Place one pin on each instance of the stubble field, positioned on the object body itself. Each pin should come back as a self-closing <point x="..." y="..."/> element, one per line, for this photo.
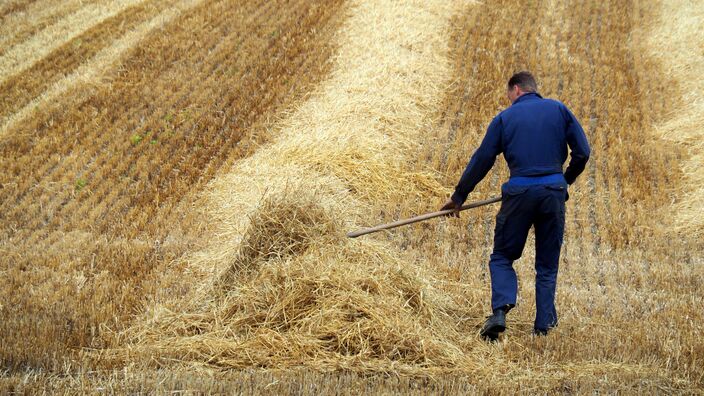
<point x="177" y="177"/>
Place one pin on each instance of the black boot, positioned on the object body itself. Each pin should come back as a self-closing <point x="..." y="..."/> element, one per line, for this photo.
<point x="543" y="332"/>
<point x="495" y="324"/>
<point x="540" y="332"/>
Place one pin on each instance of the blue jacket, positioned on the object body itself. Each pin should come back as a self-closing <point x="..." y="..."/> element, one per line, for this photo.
<point x="533" y="134"/>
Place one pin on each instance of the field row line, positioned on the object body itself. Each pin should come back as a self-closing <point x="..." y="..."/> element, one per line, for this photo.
<point x="29" y="84"/>
<point x="99" y="65"/>
<point x="108" y="149"/>
<point x="25" y="54"/>
<point x="28" y="19"/>
<point x="99" y="184"/>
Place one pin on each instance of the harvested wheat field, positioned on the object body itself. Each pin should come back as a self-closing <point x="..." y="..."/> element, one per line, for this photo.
<point x="178" y="176"/>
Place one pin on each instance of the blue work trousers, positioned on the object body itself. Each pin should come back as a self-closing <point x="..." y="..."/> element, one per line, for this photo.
<point x="523" y="206"/>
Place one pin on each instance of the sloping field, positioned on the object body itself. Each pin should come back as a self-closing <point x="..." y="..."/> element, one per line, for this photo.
<point x="96" y="182"/>
<point x="177" y="177"/>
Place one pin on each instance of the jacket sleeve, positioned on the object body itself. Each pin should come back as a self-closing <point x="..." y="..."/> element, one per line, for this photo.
<point x="578" y="144"/>
<point x="481" y="162"/>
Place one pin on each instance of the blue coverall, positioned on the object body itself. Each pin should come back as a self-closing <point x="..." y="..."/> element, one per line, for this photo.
<point x="533" y="134"/>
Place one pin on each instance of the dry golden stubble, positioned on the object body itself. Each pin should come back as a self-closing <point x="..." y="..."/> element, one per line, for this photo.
<point x="675" y="43"/>
<point x="21" y="88"/>
<point x="618" y="332"/>
<point x="21" y="23"/>
<point x="138" y="264"/>
<point x="617" y="239"/>
<point x="25" y="54"/>
<point x="348" y="144"/>
<point x="297" y="291"/>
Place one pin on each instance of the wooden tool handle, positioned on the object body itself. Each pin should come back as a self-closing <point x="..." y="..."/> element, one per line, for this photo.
<point x="416" y="219"/>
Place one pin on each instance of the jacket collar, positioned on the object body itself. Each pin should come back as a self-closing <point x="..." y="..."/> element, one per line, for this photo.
<point x="527" y="96"/>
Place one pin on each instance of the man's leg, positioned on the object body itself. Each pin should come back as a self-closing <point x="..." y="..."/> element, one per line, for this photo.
<point x="504" y="283"/>
<point x="549" y="231"/>
<point x="512" y="225"/>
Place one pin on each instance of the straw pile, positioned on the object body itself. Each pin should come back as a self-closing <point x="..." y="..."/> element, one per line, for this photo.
<point x="280" y="285"/>
<point x="299" y="293"/>
<point x="677" y="43"/>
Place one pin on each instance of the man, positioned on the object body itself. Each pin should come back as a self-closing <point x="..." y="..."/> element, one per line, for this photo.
<point x="533" y="134"/>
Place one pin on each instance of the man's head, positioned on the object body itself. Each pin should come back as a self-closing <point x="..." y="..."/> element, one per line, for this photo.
<point x="519" y="84"/>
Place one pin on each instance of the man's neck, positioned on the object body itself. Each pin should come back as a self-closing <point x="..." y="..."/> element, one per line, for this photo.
<point x="522" y="95"/>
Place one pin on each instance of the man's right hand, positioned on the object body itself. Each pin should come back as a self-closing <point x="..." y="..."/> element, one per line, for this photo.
<point x="450" y="204"/>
